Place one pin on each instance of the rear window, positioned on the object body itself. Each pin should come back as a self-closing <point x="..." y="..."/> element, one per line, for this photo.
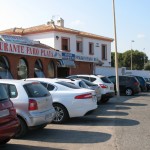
<point x="69" y="85"/>
<point x="3" y="93"/>
<point x="36" y="90"/>
<point x="89" y="83"/>
<point x="83" y="84"/>
<point x="105" y="80"/>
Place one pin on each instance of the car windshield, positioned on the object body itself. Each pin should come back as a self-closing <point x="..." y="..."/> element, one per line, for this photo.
<point x="36" y="90"/>
<point x="69" y="85"/>
<point x="3" y="93"/>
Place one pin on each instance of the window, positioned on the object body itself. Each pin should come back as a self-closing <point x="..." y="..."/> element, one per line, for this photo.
<point x="68" y="85"/>
<point x="79" y="46"/>
<point x="22" y="69"/>
<point x="3" y="93"/>
<point x="36" y="90"/>
<point x="104" y="52"/>
<point x="38" y="69"/>
<point x="4" y="68"/>
<point x="65" y="44"/>
<point x="91" y="48"/>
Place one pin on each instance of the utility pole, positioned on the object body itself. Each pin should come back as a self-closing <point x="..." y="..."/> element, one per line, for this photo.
<point x="116" y="55"/>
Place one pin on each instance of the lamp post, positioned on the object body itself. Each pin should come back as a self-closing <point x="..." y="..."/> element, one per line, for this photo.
<point x="116" y="57"/>
<point x="131" y="53"/>
<point x="144" y="57"/>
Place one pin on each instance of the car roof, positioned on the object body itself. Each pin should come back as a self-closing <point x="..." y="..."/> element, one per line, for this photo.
<point x="15" y="81"/>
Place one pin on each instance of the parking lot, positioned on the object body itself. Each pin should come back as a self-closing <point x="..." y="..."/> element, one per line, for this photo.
<point x="120" y="124"/>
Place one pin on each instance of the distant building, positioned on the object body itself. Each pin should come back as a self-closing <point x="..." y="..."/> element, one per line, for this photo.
<point x="81" y="51"/>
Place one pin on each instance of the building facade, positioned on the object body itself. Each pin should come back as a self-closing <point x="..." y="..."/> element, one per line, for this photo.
<point x="81" y="51"/>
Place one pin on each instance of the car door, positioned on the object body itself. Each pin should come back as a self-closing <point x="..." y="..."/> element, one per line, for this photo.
<point x="122" y="83"/>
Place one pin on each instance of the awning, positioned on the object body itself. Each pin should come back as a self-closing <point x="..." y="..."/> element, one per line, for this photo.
<point x="66" y="63"/>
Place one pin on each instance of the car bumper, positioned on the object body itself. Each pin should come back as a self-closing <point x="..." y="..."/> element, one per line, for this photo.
<point x="41" y="118"/>
<point x="8" y="130"/>
<point x="82" y="108"/>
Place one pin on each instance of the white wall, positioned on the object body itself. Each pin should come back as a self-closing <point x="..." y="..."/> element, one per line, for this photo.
<point x="49" y="38"/>
<point x="45" y="38"/>
<point x="108" y="71"/>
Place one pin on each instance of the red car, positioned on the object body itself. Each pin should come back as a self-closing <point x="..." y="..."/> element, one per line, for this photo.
<point x="9" y="123"/>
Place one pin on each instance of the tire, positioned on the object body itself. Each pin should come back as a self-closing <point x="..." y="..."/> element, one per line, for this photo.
<point x="104" y="100"/>
<point x="128" y="92"/>
<point x="61" y="114"/>
<point x="22" y="130"/>
<point x="4" y="141"/>
<point x="42" y="126"/>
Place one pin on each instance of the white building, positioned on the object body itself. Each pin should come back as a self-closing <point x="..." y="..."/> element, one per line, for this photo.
<point x="89" y="49"/>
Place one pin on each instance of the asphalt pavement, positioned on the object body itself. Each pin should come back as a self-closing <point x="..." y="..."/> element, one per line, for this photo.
<point x="120" y="124"/>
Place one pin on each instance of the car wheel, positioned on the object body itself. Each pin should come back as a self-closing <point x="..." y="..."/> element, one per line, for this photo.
<point x="4" y="141"/>
<point x="61" y="114"/>
<point x="128" y="92"/>
<point x="42" y="126"/>
<point x="104" y="100"/>
<point x="22" y="129"/>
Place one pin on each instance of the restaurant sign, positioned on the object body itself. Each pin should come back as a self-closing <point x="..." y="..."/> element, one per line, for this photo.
<point x="29" y="50"/>
<point x="68" y="56"/>
<point x="86" y="58"/>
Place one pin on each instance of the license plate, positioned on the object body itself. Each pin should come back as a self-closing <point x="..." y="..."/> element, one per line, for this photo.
<point x="4" y="113"/>
<point x="111" y="88"/>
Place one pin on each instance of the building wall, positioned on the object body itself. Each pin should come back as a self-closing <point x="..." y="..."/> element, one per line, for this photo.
<point x="13" y="61"/>
<point x="51" y="40"/>
<point x="109" y="71"/>
<point x="82" y="68"/>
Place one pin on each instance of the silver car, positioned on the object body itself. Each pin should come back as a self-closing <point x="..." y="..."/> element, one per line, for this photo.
<point x="33" y="104"/>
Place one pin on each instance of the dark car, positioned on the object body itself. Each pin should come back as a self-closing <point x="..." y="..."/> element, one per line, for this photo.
<point x="147" y="83"/>
<point x="9" y="123"/>
<point x="142" y="82"/>
<point x="128" y="85"/>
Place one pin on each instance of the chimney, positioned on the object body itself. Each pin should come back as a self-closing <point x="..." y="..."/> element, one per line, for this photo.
<point x="51" y="22"/>
<point x="60" y="22"/>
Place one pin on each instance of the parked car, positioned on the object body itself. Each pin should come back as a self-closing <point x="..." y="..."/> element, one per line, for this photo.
<point x="9" y="123"/>
<point x="33" y="104"/>
<point x="107" y="87"/>
<point x="147" y="83"/>
<point x="69" y="100"/>
<point x="85" y="84"/>
<point x="128" y="85"/>
<point x="142" y="82"/>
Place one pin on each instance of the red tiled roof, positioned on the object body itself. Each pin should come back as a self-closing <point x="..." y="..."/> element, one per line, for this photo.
<point x="52" y="27"/>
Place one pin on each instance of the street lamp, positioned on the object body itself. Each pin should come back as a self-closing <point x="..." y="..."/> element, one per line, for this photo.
<point x="144" y="57"/>
<point x="131" y="53"/>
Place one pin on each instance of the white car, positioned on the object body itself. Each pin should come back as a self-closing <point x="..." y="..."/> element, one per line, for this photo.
<point x="69" y="100"/>
<point x="85" y="84"/>
<point x="107" y="87"/>
<point x="33" y="104"/>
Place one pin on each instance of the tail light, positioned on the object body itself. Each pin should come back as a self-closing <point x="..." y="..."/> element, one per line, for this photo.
<point x="32" y="105"/>
<point x="84" y="96"/>
<point x="103" y="86"/>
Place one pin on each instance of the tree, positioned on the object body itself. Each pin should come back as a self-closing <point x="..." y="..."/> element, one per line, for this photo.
<point x="147" y="66"/>
<point x="124" y="59"/>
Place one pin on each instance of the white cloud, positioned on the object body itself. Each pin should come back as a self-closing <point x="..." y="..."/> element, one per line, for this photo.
<point x="140" y="36"/>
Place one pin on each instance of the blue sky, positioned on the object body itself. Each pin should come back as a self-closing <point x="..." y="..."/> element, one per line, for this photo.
<point x="94" y="16"/>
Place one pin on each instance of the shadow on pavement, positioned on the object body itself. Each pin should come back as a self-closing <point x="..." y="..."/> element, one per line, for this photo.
<point x="67" y="136"/>
<point x="102" y="121"/>
<point x="25" y="147"/>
